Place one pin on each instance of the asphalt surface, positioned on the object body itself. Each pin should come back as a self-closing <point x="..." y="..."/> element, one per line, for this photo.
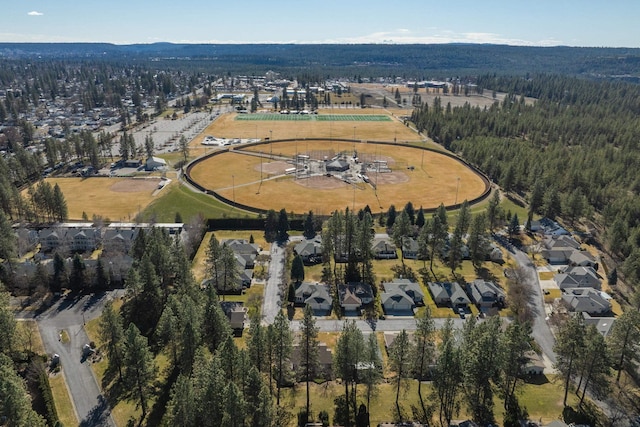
<point x="272" y="296"/>
<point x="70" y="314"/>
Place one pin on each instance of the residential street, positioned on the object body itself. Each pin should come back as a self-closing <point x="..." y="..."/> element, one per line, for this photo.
<point x="271" y="302"/>
<point x="69" y="315"/>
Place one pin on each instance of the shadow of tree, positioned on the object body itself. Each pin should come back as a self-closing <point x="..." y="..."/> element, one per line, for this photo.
<point x="99" y="414"/>
<point x="536" y="379"/>
<point x="163" y="391"/>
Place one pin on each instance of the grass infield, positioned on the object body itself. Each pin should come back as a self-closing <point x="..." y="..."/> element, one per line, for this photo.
<point x="257" y="177"/>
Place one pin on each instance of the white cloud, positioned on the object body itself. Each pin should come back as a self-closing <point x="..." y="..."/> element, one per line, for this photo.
<point x="35" y="13"/>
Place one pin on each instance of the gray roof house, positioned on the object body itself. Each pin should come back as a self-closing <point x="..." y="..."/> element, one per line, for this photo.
<point x="383" y="248"/>
<point x="84" y="239"/>
<point x="316" y="295"/>
<point x="602" y="324"/>
<point x="409" y="248"/>
<point x="585" y="300"/>
<point x="52" y="238"/>
<point x="236" y="313"/>
<point x="412" y="289"/>
<point x="485" y="294"/>
<point x="397" y="302"/>
<point x="119" y="240"/>
<point x="310" y="251"/>
<point x="577" y="277"/>
<point x="449" y="294"/>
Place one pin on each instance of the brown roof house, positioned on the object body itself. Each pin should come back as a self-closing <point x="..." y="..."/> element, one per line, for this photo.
<point x="354" y="296"/>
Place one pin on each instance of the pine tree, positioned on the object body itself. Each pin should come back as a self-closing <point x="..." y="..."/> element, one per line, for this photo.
<point x="139" y="366"/>
<point x="297" y="269"/>
<point x="399" y="358"/>
<point x="111" y="334"/>
<point x="309" y="226"/>
<point x="308" y="345"/>
<point x="282" y="345"/>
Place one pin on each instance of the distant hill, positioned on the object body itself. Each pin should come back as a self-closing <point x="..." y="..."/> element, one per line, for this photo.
<point x="365" y="60"/>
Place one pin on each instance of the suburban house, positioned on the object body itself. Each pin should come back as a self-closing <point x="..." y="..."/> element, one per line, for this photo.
<point x="241" y="246"/>
<point x="325" y="361"/>
<point x="585" y="300"/>
<point x="602" y="324"/>
<point x="577" y="277"/>
<point x="353" y="296"/>
<point x="310" y="251"/>
<point x="316" y="295"/>
<point x="448" y="294"/>
<point x="547" y="227"/>
<point x="412" y="289"/>
<point x="383" y="248"/>
<point x="494" y="254"/>
<point x="409" y="248"/>
<point x="582" y="259"/>
<point x="236" y="313"/>
<point x="397" y="302"/>
<point x="485" y="294"/>
<point x="558" y="249"/>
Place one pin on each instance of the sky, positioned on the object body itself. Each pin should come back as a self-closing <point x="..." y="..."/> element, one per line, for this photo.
<point x="595" y="23"/>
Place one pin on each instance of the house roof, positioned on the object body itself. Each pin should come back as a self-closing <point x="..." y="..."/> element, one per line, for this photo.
<point x="602" y="324"/>
<point x="576" y="277"/>
<point x="581" y="257"/>
<point x="585" y="300"/>
<point x="383" y="244"/>
<point x="409" y="244"/>
<point x="309" y="247"/>
<point x="561" y="242"/>
<point x="354" y="293"/>
<point x="449" y="290"/>
<point x="406" y="286"/>
<point x="484" y="291"/>
<point x="314" y="294"/>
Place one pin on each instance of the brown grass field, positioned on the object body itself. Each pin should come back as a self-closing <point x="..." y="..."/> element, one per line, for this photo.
<point x="119" y="199"/>
<point x="433" y="180"/>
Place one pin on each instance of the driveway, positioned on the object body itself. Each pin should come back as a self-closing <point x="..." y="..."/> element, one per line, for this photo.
<point x="70" y="314"/>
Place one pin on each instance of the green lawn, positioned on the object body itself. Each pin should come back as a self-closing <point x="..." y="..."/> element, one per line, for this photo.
<point x="542" y="401"/>
<point x="189" y="204"/>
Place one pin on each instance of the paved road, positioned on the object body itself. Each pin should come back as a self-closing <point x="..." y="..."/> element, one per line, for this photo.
<point x="69" y="314"/>
<point x="271" y="301"/>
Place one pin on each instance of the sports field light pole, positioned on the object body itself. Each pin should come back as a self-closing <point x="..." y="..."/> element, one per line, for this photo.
<point x="271" y="143"/>
<point x="457" y="188"/>
<point x="233" y="187"/>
